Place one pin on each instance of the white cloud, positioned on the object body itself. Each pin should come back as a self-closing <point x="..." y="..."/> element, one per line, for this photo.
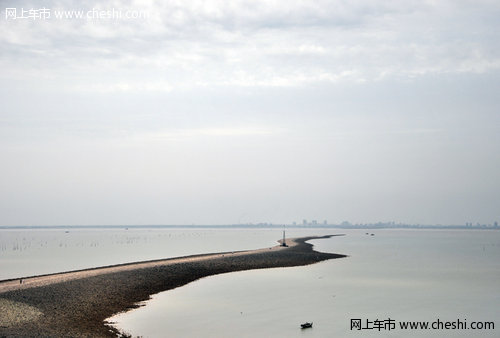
<point x="241" y="43"/>
<point x="195" y="133"/>
<point x="126" y="87"/>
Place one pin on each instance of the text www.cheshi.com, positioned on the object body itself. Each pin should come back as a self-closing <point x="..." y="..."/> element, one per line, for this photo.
<point x="392" y="324"/>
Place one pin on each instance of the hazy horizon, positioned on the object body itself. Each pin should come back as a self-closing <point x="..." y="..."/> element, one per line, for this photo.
<point x="268" y="225"/>
<point x="250" y="111"/>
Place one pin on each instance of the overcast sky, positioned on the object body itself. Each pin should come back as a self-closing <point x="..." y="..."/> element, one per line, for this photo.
<point x="223" y="112"/>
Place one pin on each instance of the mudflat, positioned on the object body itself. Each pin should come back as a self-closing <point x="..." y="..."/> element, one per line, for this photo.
<point x="77" y="303"/>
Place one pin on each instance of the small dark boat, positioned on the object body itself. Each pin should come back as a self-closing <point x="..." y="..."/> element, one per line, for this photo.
<point x="306" y="325"/>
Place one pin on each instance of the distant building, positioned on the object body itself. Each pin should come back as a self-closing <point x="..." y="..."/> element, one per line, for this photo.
<point x="325" y="222"/>
<point x="496" y="224"/>
<point x="304" y="222"/>
<point x="314" y="222"/>
<point x="294" y="223"/>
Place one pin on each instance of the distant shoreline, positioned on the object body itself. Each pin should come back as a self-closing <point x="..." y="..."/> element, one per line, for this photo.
<point x="369" y="226"/>
<point x="77" y="303"/>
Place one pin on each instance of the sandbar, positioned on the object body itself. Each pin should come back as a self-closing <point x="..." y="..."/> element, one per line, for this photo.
<point x="77" y="303"/>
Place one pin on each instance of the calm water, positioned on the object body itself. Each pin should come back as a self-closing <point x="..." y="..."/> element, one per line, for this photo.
<point x="399" y="274"/>
<point x="33" y="252"/>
